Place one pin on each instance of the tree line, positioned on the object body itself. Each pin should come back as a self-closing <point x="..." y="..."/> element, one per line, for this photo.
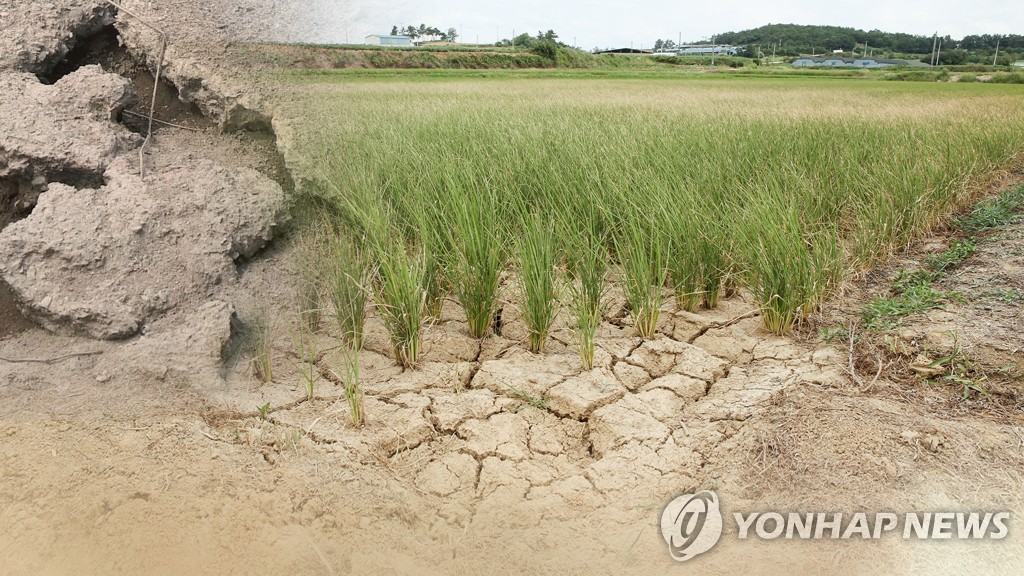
<point x="424" y="31"/>
<point x="795" y="39"/>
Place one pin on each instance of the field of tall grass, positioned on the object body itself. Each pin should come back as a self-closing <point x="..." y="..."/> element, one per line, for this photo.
<point x="677" y="191"/>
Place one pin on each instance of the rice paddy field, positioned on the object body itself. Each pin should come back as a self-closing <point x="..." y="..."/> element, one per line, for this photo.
<point x="675" y="191"/>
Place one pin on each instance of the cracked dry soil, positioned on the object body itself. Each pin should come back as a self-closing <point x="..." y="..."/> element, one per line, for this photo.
<point x="148" y="456"/>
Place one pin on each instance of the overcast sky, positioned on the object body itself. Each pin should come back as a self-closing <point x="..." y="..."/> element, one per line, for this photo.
<point x="617" y="23"/>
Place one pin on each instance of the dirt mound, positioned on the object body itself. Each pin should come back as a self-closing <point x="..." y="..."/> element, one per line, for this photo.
<point x="56" y="26"/>
<point x="152" y="244"/>
<point x="59" y="133"/>
<point x="99" y="250"/>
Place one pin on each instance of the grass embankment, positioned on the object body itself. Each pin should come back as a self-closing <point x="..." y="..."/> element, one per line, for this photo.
<point x="780" y="187"/>
<point x="325" y="57"/>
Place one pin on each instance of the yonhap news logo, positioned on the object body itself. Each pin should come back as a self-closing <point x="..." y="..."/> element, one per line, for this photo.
<point x="692" y="524"/>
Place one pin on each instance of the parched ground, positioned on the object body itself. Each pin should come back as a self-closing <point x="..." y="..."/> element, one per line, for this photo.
<point x="490" y="459"/>
<point x="149" y="456"/>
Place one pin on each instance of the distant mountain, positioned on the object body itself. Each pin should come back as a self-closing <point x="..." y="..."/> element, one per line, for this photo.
<point x="795" y="39"/>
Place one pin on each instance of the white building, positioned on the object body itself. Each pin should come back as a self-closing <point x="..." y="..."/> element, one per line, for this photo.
<point x="388" y="40"/>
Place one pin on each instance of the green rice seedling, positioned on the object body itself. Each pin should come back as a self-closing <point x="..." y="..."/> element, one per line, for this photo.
<point x="311" y="261"/>
<point x="455" y="177"/>
<point x="780" y="263"/>
<point x="479" y="258"/>
<point x="348" y="284"/>
<point x="260" y="339"/>
<point x="587" y="287"/>
<point x="305" y="349"/>
<point x="536" y="272"/>
<point x="643" y="251"/>
<point x="715" y="261"/>
<point x="435" y="288"/>
<point x="401" y="301"/>
<point x="685" y="260"/>
<point x="350" y="382"/>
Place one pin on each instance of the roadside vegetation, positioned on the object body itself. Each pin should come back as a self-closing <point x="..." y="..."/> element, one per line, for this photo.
<point x="676" y="193"/>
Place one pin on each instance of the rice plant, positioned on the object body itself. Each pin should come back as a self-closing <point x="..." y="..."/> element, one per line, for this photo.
<point x="305" y="349"/>
<point x="310" y="259"/>
<point x="349" y="378"/>
<point x="588" y="272"/>
<point x="348" y="285"/>
<point x="789" y="269"/>
<point x="686" y="259"/>
<point x="479" y="258"/>
<point x="401" y="301"/>
<point x="435" y="286"/>
<point x="779" y="189"/>
<point x="260" y="340"/>
<point x="643" y="251"/>
<point x="536" y="272"/>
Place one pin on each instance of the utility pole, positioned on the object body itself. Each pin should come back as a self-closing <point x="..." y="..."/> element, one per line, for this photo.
<point x="938" y="54"/>
<point x="713" y="51"/>
<point x="994" y="58"/>
<point x="935" y="42"/>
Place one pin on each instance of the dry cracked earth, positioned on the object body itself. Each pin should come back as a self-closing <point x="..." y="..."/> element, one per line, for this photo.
<point x="130" y="436"/>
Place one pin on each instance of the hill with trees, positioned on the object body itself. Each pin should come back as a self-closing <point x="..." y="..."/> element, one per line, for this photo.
<point x="795" y="39"/>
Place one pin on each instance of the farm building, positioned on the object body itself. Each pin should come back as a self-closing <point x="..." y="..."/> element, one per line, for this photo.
<point x="388" y="40"/>
<point x="703" y="50"/>
<point x="836" y="62"/>
<point x="624" y="51"/>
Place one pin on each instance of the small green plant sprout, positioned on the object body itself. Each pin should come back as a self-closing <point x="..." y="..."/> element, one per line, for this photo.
<point x="348" y="282"/>
<point x="263" y="411"/>
<point x="538" y="402"/>
<point x="260" y="339"/>
<point x="644" y="254"/>
<point x="537" y="280"/>
<point x="304" y="347"/>
<point x="961" y="371"/>
<point x="587" y="287"/>
<point x="951" y="258"/>
<point x="912" y="295"/>
<point x="349" y="378"/>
